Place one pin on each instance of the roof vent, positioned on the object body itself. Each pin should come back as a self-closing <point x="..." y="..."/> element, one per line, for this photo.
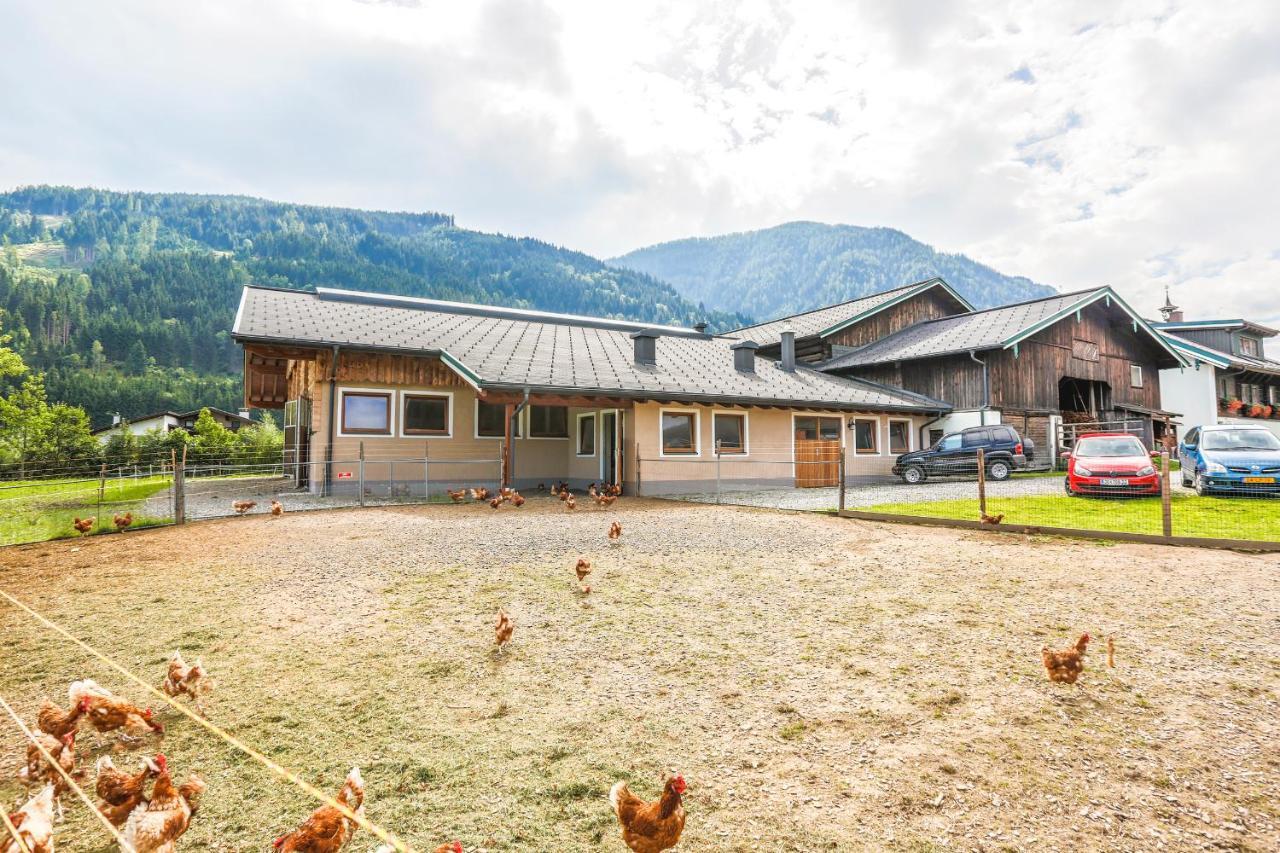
<point x="700" y="328"/>
<point x="744" y="356"/>
<point x="646" y="346"/>
<point x="788" y="348"/>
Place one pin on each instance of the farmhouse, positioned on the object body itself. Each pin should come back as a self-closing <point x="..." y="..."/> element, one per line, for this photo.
<point x="168" y="421"/>
<point x="1230" y="381"/>
<point x="541" y="397"/>
<point x="1049" y="366"/>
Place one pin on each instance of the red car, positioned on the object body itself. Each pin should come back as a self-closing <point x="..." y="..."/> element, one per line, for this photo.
<point x="1111" y="463"/>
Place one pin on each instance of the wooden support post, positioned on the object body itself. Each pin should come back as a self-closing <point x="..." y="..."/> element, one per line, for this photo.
<point x="638" y="492"/>
<point x="426" y="472"/>
<point x="361" y="486"/>
<point x="1166" y="494"/>
<point x="180" y="488"/>
<point x="717" y="470"/>
<point x="507" y="436"/>
<point x="982" y="481"/>
<point x="842" y="478"/>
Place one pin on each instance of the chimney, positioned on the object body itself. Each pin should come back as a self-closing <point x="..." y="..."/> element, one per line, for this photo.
<point x="700" y="328"/>
<point x="744" y="356"/>
<point x="244" y="413"/>
<point x="646" y="346"/>
<point x="788" y="348"/>
<point x="1175" y="316"/>
<point x="115" y="419"/>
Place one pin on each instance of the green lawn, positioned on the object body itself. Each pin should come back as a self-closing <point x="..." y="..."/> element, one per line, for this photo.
<point x="1214" y="517"/>
<point x="36" y="510"/>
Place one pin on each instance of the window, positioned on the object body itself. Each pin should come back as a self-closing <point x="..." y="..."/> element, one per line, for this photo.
<point x="935" y="436"/>
<point x="426" y="414"/>
<point x="548" y="422"/>
<point x="899" y="436"/>
<point x="1135" y="375"/>
<point x="679" y="433"/>
<point x="975" y="438"/>
<point x="1250" y="346"/>
<point x="586" y="435"/>
<point x="951" y="442"/>
<point x="366" y="412"/>
<point x="864" y="435"/>
<point x="812" y="428"/>
<point x="730" y="432"/>
<point x="491" y="420"/>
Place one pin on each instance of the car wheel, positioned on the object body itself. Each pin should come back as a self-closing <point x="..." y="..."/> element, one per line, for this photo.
<point x="998" y="470"/>
<point x="1199" y="486"/>
<point x="1186" y="481"/>
<point x="1066" y="484"/>
<point x="913" y="475"/>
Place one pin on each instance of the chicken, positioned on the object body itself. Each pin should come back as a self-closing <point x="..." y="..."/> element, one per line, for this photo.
<point x="606" y="500"/>
<point x="503" y="630"/>
<point x="457" y="497"/>
<point x="615" y="532"/>
<point x="1111" y="652"/>
<point x="583" y="568"/>
<point x="992" y="519"/>
<point x="186" y="680"/>
<point x="570" y="503"/>
<point x="650" y="827"/>
<point x="1065" y="666"/>
<point x="84" y="525"/>
<point x="54" y="721"/>
<point x="591" y="491"/>
<point x="122" y="522"/>
<point x="495" y="503"/>
<point x="122" y="792"/>
<point x="34" y="823"/>
<point x="480" y="494"/>
<point x="517" y="500"/>
<point x="38" y="769"/>
<point x="241" y="507"/>
<point x="328" y="829"/>
<point x="156" y="825"/>
<point x="614" y="490"/>
<point x="277" y="508"/>
<point x="109" y="713"/>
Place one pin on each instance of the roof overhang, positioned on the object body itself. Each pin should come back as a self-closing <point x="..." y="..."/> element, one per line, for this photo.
<point x="902" y="297"/>
<point x="1110" y="298"/>
<point x="1197" y="353"/>
<point x="1200" y="325"/>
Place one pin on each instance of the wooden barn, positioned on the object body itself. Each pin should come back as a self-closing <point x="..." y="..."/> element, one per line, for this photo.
<point x="1050" y="367"/>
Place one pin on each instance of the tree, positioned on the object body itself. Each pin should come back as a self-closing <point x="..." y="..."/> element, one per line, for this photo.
<point x="23" y="420"/>
<point x="212" y="441"/>
<point x="67" y="440"/>
<point x="136" y="361"/>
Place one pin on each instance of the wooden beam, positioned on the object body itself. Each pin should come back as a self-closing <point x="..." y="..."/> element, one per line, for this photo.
<point x="506" y="444"/>
<point x="292" y="353"/>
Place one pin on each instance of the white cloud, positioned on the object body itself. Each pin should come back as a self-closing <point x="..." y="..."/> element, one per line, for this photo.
<point x="1074" y="143"/>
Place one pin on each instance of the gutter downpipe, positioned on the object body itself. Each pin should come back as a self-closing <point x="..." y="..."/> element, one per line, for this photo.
<point x="515" y="418"/>
<point x="924" y="427"/>
<point x="986" y="389"/>
<point x="333" y="407"/>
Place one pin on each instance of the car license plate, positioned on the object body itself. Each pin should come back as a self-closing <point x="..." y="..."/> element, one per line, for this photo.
<point x="1111" y="481"/>
<point x="1259" y="479"/>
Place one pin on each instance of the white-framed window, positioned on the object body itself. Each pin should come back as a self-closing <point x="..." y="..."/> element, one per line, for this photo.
<point x="1250" y="346"/>
<point x="426" y="414"/>
<point x="729" y="431"/>
<point x="547" y="421"/>
<point x="366" y="412"/>
<point x="866" y="436"/>
<point x="491" y="421"/>
<point x="585" y="434"/>
<point x="1135" y="375"/>
<point x="899" y="436"/>
<point x="678" y="432"/>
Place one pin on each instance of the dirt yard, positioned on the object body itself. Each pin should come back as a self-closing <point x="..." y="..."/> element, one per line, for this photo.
<point x="822" y="684"/>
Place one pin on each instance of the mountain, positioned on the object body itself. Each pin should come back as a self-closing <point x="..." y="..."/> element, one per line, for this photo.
<point x="803" y="265"/>
<point x="125" y="300"/>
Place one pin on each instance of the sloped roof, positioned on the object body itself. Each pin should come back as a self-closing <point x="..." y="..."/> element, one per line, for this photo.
<point x="1218" y="358"/>
<point x="994" y="328"/>
<point x="1193" y="325"/>
<point x="825" y="321"/>
<point x="505" y="349"/>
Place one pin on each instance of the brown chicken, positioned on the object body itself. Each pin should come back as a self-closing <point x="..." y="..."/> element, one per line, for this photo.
<point x="1065" y="666"/>
<point x="570" y="503"/>
<point x="582" y="569"/>
<point x="241" y="507"/>
<point x="615" y="532"/>
<point x="328" y="829"/>
<point x="109" y="713"/>
<point x="992" y="519"/>
<point x="460" y="496"/>
<point x="517" y="500"/>
<point x="156" y="824"/>
<point x="122" y="522"/>
<point x="606" y="500"/>
<point x="614" y="490"/>
<point x="503" y="630"/>
<point x="480" y="494"/>
<point x="52" y="720"/>
<point x="84" y="525"/>
<point x="650" y="827"/>
<point x="122" y="792"/>
<point x="34" y="823"/>
<point x="38" y="769"/>
<point x="277" y="508"/>
<point x="184" y="680"/>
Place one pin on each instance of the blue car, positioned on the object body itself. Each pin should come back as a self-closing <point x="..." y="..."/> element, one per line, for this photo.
<point x="1230" y="459"/>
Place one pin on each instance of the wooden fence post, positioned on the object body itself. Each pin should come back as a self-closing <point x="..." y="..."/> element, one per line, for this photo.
<point x="842" y="478"/>
<point x="426" y="472"/>
<point x="180" y="487"/>
<point x="1166" y="494"/>
<point x="361" y="486"/>
<point x="982" y="481"/>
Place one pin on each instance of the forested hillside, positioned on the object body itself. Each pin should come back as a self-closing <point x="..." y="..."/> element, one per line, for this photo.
<point x="804" y="265"/>
<point x="124" y="300"/>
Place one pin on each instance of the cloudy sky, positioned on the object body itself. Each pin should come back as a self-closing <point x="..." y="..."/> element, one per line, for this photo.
<point x="1135" y="144"/>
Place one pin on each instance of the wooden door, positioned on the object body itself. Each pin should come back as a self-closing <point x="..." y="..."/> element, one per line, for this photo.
<point x="817" y="452"/>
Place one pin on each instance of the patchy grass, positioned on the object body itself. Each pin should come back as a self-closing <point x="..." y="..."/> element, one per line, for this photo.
<point x="822" y="684"/>
<point x="36" y="510"/>
<point x="1211" y="517"/>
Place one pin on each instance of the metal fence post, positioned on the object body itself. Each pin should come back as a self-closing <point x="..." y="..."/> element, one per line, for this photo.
<point x="717" y="471"/>
<point x="391" y="478"/>
<point x="361" y="486"/>
<point x="1166" y="494"/>
<point x="638" y="491"/>
<point x="842" y="478"/>
<point x="982" y="482"/>
<point x="426" y="472"/>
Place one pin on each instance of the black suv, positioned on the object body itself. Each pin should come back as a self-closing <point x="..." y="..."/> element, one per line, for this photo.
<point x="957" y="453"/>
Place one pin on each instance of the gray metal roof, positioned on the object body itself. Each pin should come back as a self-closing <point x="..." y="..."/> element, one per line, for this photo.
<point x="825" y="320"/>
<point x="1195" y="349"/>
<point x="994" y="327"/>
<point x="494" y="348"/>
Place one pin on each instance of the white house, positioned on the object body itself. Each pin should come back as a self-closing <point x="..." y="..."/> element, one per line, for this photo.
<point x="169" y="421"/>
